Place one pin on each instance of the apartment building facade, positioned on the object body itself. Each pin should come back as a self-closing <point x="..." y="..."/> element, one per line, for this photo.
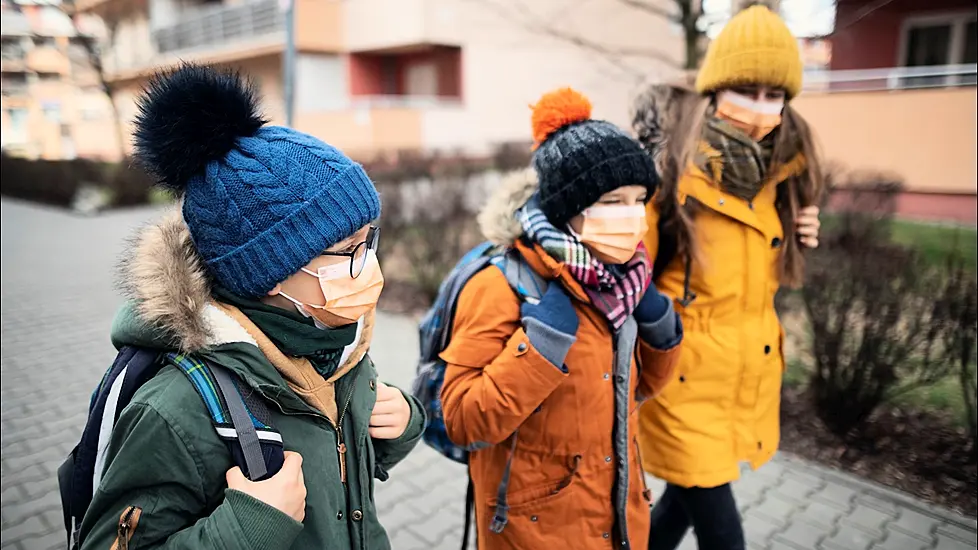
<point x="383" y="75"/>
<point x="52" y="104"/>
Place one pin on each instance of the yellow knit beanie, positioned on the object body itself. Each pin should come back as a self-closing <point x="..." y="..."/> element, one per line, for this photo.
<point x="755" y="47"/>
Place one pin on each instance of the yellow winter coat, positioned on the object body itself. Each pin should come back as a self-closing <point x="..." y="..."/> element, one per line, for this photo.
<point x="722" y="405"/>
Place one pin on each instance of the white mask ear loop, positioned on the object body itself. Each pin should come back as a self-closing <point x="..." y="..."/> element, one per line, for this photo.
<point x="298" y="303"/>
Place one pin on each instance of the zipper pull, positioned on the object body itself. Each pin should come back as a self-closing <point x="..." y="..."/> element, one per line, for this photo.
<point x="341" y="449"/>
<point x="125" y="527"/>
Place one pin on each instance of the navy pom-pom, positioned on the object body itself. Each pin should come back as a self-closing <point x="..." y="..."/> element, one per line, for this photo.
<point x="189" y="117"/>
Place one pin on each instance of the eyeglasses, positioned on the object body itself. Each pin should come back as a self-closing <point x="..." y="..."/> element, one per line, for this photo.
<point x="358" y="256"/>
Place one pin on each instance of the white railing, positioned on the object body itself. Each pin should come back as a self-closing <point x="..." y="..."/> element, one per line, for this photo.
<point x="895" y="78"/>
<point x="217" y="25"/>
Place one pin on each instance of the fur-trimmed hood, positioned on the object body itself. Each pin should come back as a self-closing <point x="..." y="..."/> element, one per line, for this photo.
<point x="167" y="284"/>
<point x="169" y="291"/>
<point x="497" y="221"/>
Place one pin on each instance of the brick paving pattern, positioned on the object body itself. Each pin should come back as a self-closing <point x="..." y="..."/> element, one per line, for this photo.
<point x="57" y="303"/>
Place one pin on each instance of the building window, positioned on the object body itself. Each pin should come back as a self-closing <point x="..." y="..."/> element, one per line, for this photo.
<point x="928" y="46"/>
<point x="14" y="84"/>
<point x="935" y="40"/>
<point x="12" y="49"/>
<point x="44" y="42"/>
<point x="18" y="126"/>
<point x="388" y="76"/>
<point x="52" y="111"/>
<point x="422" y="79"/>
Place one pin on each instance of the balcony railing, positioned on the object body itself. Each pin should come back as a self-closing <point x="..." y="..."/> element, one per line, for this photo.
<point x="14" y="88"/>
<point x="219" y="25"/>
<point x="896" y="78"/>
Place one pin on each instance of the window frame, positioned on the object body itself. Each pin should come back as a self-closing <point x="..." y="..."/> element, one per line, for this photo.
<point x="957" y="20"/>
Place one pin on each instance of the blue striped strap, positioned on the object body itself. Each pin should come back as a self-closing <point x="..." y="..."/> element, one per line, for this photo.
<point x="202" y="378"/>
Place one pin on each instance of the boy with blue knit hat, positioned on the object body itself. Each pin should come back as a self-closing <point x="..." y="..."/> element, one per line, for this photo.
<point x="270" y="273"/>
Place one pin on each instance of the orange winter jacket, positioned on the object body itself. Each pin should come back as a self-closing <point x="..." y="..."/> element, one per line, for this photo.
<point x="565" y="468"/>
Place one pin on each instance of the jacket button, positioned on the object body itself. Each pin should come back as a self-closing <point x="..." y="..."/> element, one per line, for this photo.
<point x="722" y="202"/>
<point x="682" y="377"/>
<point x="606" y="535"/>
<point x="776" y="242"/>
<point x="357" y="515"/>
<point x="533" y="518"/>
<point x="373" y="384"/>
<point x="767" y="350"/>
<point x="339" y="515"/>
<point x="607" y="459"/>
<point x="522" y="347"/>
<point x="606" y="376"/>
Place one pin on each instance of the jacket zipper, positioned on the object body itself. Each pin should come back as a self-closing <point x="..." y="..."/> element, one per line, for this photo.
<point x="337" y="426"/>
<point x="647" y="493"/>
<point x="127" y="526"/>
<point x="340" y="444"/>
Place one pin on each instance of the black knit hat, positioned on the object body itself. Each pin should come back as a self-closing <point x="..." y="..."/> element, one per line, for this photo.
<point x="578" y="159"/>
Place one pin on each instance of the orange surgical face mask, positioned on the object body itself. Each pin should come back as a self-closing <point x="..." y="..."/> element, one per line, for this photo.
<point x="612" y="233"/>
<point x="347" y="298"/>
<point x="756" y="118"/>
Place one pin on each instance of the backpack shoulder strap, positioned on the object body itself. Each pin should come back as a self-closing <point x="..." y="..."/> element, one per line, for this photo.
<point x="525" y="282"/>
<point x="81" y="472"/>
<point x="240" y="419"/>
<point x="441" y="316"/>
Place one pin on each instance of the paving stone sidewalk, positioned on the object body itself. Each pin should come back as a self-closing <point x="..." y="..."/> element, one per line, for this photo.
<point x="56" y="305"/>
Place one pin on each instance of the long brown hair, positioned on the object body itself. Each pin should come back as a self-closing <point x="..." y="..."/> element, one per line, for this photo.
<point x="688" y="111"/>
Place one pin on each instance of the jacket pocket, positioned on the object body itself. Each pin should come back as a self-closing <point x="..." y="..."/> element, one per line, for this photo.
<point x="128" y="522"/>
<point x="546" y="516"/>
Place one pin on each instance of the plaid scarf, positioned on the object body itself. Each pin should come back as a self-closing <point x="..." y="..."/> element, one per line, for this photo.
<point x="614" y="290"/>
<point x="740" y="162"/>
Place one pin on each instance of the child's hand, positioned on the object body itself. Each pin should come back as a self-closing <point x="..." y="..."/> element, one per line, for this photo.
<point x="391" y="413"/>
<point x="808" y="226"/>
<point x="284" y="491"/>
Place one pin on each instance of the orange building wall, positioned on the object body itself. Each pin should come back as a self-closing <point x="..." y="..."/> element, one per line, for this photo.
<point x="926" y="136"/>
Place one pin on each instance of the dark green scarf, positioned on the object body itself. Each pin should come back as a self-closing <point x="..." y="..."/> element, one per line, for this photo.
<point x="294" y="334"/>
<point x="744" y="163"/>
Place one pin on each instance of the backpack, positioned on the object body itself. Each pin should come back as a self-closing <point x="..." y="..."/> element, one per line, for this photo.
<point x="240" y="419"/>
<point x="435" y="333"/>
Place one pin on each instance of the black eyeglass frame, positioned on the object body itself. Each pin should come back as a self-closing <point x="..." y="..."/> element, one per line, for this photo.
<point x="370" y="243"/>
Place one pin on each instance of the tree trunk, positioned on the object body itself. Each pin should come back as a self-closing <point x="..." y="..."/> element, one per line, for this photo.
<point x="690" y="12"/>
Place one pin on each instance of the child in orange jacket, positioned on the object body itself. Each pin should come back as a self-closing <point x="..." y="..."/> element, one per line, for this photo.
<point x="550" y="390"/>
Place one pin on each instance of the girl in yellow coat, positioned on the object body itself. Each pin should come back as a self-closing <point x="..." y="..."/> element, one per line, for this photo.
<point x="735" y="209"/>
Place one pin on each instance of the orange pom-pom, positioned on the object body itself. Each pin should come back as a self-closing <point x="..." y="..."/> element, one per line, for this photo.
<point x="557" y="109"/>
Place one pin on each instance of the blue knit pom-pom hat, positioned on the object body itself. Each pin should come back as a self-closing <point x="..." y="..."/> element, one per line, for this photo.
<point x="261" y="201"/>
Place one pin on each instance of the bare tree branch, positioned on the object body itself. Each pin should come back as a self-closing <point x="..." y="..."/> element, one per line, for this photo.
<point x="531" y="22"/>
<point x="652" y="9"/>
<point x="94" y="53"/>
